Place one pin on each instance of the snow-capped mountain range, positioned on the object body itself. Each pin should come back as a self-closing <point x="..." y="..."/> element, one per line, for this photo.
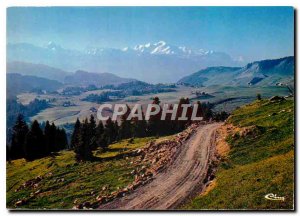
<point x="159" y="48"/>
<point x="151" y="62"/>
<point x="162" y="48"/>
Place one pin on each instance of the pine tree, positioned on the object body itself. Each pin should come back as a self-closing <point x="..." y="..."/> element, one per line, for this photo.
<point x="125" y="126"/>
<point x="99" y="134"/>
<point x="85" y="140"/>
<point x="83" y="149"/>
<point x="52" y="138"/>
<point x="199" y="110"/>
<point x="19" y="133"/>
<point x="61" y="139"/>
<point x="181" y="124"/>
<point x="116" y="130"/>
<point x="92" y="132"/>
<point x="75" y="134"/>
<point x="168" y="126"/>
<point x="8" y="153"/>
<point x="47" y="135"/>
<point x="154" y="123"/>
<point x="207" y="112"/>
<point x="258" y="96"/>
<point x="109" y="133"/>
<point x="64" y="139"/>
<point x="34" y="142"/>
<point x="139" y="127"/>
<point x="189" y="112"/>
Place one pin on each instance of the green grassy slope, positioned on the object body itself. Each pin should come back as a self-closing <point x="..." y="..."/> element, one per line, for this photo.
<point x="65" y="180"/>
<point x="259" y="163"/>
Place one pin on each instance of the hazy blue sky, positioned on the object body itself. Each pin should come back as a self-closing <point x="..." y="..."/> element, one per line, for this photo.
<point x="252" y="32"/>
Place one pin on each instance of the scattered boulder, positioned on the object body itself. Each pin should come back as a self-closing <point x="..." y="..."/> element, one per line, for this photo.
<point x="101" y="199"/>
<point x="32" y="183"/>
<point x="79" y="206"/>
<point x="37" y="192"/>
<point x="20" y="202"/>
<point x="86" y="205"/>
<point x="49" y="174"/>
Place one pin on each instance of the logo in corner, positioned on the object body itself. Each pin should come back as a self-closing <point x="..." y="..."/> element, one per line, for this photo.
<point x="272" y="196"/>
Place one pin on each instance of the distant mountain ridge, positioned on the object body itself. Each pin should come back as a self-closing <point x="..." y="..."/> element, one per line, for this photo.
<point x="79" y="78"/>
<point x="265" y="72"/>
<point x="98" y="79"/>
<point x="17" y="83"/>
<point x="38" y="70"/>
<point x="150" y="62"/>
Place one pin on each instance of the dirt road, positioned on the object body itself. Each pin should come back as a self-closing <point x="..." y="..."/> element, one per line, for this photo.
<point x="183" y="178"/>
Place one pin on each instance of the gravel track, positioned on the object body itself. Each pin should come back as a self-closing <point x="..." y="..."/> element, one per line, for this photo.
<point x="181" y="180"/>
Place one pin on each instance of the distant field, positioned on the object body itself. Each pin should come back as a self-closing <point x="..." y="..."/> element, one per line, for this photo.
<point x="65" y="180"/>
<point x="63" y="115"/>
<point x="259" y="163"/>
<point x="26" y="98"/>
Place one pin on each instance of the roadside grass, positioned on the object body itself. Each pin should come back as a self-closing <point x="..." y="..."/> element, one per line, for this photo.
<point x="123" y="147"/>
<point x="257" y="164"/>
<point x="65" y="180"/>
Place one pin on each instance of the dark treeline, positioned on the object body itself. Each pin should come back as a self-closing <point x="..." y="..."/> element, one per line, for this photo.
<point x="39" y="141"/>
<point x="134" y="88"/>
<point x="33" y="142"/>
<point x="104" y="96"/>
<point x="14" y="108"/>
<point x="87" y="135"/>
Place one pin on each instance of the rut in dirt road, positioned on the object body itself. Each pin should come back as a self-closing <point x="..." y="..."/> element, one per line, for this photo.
<point x="182" y="179"/>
